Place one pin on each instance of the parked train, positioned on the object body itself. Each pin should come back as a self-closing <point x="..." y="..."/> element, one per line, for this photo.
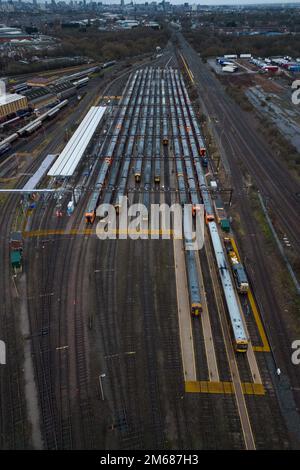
<point x="20" y="87"/>
<point x="82" y="82"/>
<point x="108" y="64"/>
<point x="239" y="337"/>
<point x="238" y="269"/>
<point x="130" y="128"/>
<point x="32" y="126"/>
<point x="190" y="254"/>
<point x="5" y="148"/>
<point x="193" y="281"/>
<point x="90" y="213"/>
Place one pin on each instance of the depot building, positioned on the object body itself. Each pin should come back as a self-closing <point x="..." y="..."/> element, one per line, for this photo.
<point x="11" y="103"/>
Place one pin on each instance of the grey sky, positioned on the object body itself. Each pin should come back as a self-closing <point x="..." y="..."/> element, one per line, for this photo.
<point x="211" y="2"/>
<point x="204" y="2"/>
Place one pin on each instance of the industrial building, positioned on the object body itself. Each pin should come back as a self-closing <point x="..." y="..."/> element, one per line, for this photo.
<point x="40" y="82"/>
<point x="11" y="103"/>
<point x="8" y="34"/>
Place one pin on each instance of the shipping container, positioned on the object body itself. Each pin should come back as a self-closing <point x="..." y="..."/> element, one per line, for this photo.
<point x="294" y="68"/>
<point x="225" y="225"/>
<point x="16" y="241"/>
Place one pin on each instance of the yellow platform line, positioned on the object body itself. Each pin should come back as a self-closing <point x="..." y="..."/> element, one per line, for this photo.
<point x="265" y="347"/>
<point x="44" y="233"/>
<point x="223" y="388"/>
<point x="188" y="69"/>
<point x="41" y="233"/>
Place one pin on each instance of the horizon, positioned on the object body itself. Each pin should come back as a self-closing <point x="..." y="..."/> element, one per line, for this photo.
<point x="178" y="2"/>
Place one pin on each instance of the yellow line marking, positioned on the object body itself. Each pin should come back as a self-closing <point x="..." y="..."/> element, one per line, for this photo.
<point x="40" y="233"/>
<point x="110" y="97"/>
<point x="189" y="72"/>
<point x="224" y="388"/>
<point x="265" y="347"/>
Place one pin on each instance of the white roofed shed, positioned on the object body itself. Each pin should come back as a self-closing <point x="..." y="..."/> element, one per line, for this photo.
<point x="71" y="155"/>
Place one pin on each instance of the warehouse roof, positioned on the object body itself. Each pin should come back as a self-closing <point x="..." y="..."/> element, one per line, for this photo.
<point x="10" y="98"/>
<point x="69" y="158"/>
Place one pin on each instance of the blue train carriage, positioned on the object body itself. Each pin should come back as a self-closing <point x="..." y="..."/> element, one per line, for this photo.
<point x="138" y="169"/>
<point x="165" y="132"/>
<point x="193" y="281"/>
<point x="90" y="213"/>
<point x="157" y="161"/>
<point x="122" y="185"/>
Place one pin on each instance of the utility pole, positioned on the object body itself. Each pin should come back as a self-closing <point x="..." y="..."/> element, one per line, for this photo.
<point x="101" y="376"/>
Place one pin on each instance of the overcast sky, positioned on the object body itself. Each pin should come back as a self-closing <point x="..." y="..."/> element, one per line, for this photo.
<point x="201" y="2"/>
<point x="209" y="2"/>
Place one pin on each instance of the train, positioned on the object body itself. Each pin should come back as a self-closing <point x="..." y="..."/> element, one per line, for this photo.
<point x="238" y="270"/>
<point x="130" y="128"/>
<point x="239" y="336"/>
<point x="90" y="212"/>
<point x="20" y="87"/>
<point x="31" y="126"/>
<point x="165" y="138"/>
<point x="141" y="110"/>
<point x="78" y="75"/>
<point x="108" y="64"/>
<point x="62" y="95"/>
<point x="142" y="132"/>
<point x="193" y="281"/>
<point x="82" y="82"/>
<point x="179" y="150"/>
<point x="5" y="148"/>
<point x="149" y="140"/>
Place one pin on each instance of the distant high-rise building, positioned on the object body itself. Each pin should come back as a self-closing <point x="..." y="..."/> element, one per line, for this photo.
<point x="122" y="3"/>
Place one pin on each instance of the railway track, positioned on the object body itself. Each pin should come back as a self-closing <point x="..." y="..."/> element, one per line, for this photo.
<point x="16" y="432"/>
<point x="252" y="150"/>
<point x="133" y="326"/>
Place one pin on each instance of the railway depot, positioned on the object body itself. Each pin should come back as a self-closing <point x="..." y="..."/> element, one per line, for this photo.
<point x="148" y="342"/>
<point x="11" y="103"/>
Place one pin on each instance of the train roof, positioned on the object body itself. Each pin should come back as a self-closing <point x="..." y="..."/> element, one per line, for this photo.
<point x="232" y="304"/>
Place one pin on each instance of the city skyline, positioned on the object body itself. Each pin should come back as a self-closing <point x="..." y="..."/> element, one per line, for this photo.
<point x="177" y="2"/>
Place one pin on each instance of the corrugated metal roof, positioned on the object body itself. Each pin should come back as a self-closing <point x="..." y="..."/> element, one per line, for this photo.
<point x="10" y="98"/>
<point x="69" y="158"/>
<point x="38" y="175"/>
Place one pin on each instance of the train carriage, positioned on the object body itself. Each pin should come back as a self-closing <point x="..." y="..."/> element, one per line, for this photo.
<point x="193" y="283"/>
